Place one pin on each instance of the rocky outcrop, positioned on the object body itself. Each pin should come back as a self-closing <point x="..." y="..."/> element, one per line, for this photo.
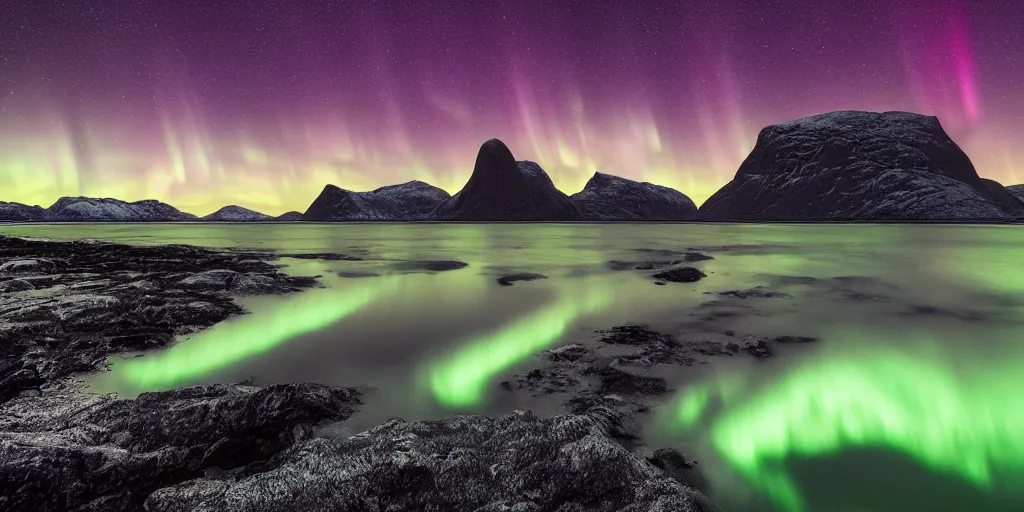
<point x="608" y="198"/>
<point x="501" y="189"/>
<point x="517" y="462"/>
<point x="408" y="201"/>
<point x="87" y="209"/>
<point x="864" y="166"/>
<point x="67" y="451"/>
<point x="17" y="212"/>
<point x="234" y="213"/>
<point x="68" y="305"/>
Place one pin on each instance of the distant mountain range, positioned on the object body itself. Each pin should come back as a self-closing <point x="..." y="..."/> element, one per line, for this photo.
<point x="838" y="166"/>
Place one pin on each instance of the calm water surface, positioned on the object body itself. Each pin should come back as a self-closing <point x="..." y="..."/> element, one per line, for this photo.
<point x="912" y="400"/>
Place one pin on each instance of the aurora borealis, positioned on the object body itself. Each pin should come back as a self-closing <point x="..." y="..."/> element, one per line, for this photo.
<point x="260" y="104"/>
<point x="896" y="391"/>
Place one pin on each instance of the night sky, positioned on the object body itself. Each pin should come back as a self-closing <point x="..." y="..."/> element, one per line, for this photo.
<point x="206" y="103"/>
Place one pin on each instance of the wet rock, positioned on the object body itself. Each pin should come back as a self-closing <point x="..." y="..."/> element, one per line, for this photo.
<point x="680" y="275"/>
<point x="507" y="280"/>
<point x="680" y="468"/>
<point x="326" y="256"/>
<point x="99" y="298"/>
<point x="616" y="381"/>
<point x="65" y="451"/>
<point x="15" y="285"/>
<point x="463" y="463"/>
<point x="795" y="339"/>
<point x="633" y="334"/>
<point x="429" y="265"/>
<point x="756" y="292"/>
<point x="573" y="352"/>
<point x="756" y="346"/>
<point x="354" y="275"/>
<point x="542" y="381"/>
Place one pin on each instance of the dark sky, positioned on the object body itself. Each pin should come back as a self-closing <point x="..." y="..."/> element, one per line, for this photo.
<point x="204" y="103"/>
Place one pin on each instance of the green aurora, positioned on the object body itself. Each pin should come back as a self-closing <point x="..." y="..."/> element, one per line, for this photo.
<point x="460" y="381"/>
<point x="953" y="415"/>
<point x="246" y="336"/>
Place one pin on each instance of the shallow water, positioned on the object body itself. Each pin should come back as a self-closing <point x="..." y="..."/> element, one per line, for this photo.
<point x="910" y="401"/>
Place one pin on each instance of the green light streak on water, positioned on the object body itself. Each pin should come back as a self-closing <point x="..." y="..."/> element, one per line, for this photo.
<point x="956" y="416"/>
<point x="460" y="381"/>
<point x="247" y="336"/>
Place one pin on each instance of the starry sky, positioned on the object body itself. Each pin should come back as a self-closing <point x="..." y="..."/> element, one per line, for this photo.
<point x="202" y="104"/>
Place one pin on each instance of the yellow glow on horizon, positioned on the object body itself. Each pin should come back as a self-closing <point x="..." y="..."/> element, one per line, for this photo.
<point x="184" y="165"/>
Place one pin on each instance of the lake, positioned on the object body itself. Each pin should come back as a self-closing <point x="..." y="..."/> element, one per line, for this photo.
<point x="912" y="399"/>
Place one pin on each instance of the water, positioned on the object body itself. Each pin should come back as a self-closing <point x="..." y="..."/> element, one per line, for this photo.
<point x="911" y="400"/>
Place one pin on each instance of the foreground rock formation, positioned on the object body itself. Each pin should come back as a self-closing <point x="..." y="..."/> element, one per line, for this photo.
<point x="502" y="189"/>
<point x="606" y="197"/>
<point x="68" y="305"/>
<point x="408" y="201"/>
<point x="66" y="451"/>
<point x="866" y="166"/>
<point x="466" y="463"/>
<point x="234" y="213"/>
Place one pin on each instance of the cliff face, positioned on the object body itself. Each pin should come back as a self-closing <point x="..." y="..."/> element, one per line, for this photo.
<point x="413" y="200"/>
<point x="853" y="165"/>
<point x="503" y="189"/>
<point x="607" y="197"/>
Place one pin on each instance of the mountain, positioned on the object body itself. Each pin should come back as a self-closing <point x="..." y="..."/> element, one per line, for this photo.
<point x="607" y="197"/>
<point x="413" y="200"/>
<point x="852" y="165"/>
<point x="289" y="217"/>
<point x="86" y="209"/>
<point x="20" y="212"/>
<point x="503" y="189"/>
<point x="1016" y="191"/>
<point x="234" y="213"/>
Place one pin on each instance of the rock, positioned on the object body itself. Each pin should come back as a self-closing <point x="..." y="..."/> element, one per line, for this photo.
<point x="86" y="209"/>
<point x="795" y="339"/>
<point x="429" y="265"/>
<point x="633" y="334"/>
<point x="326" y="256"/>
<point x="606" y="197"/>
<point x="755" y="292"/>
<point x="64" y="451"/>
<point x="680" y="468"/>
<point x="289" y="217"/>
<point x="15" y="285"/>
<point x="358" y="274"/>
<point x="507" y="280"/>
<point x="1016" y="190"/>
<point x="103" y="298"/>
<point x="516" y="462"/>
<point x="234" y="213"/>
<point x="501" y="189"/>
<point x="617" y="381"/>
<point x="866" y="166"/>
<point x="573" y="352"/>
<point x="413" y="200"/>
<point x="18" y="212"/>
<point x="680" y="275"/>
<point x="756" y="346"/>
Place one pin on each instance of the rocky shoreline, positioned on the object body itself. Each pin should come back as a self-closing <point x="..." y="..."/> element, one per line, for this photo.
<point x="67" y="306"/>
